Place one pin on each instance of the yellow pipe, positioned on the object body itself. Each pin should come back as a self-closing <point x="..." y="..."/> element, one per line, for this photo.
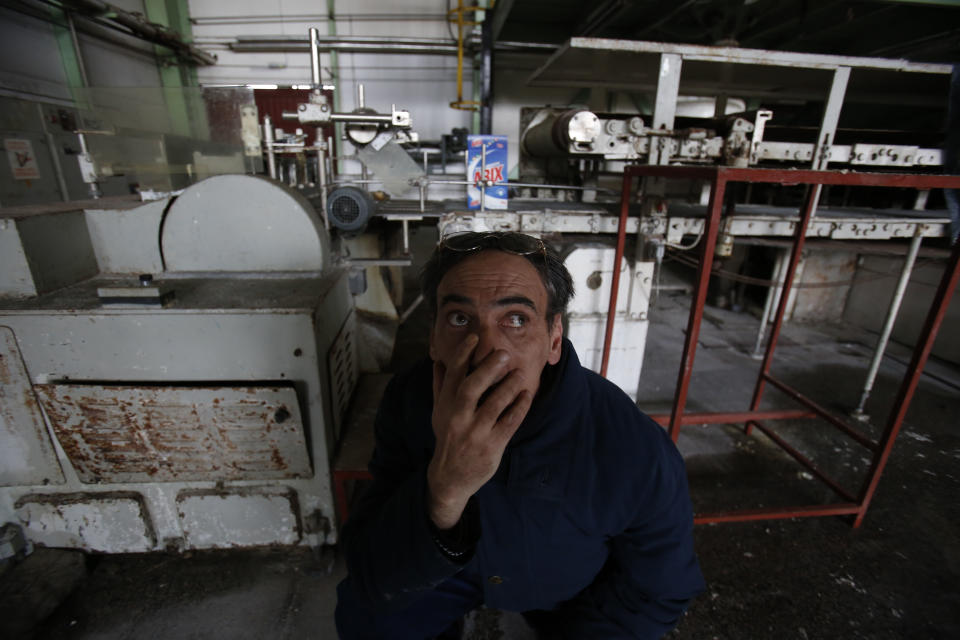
<point x="460" y="103"/>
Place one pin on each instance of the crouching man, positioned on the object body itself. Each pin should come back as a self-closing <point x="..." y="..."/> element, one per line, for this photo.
<point x="507" y="474"/>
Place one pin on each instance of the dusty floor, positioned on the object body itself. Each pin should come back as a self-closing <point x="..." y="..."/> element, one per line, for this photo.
<point x="898" y="576"/>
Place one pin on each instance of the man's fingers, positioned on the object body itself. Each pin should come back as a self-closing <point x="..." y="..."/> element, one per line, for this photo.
<point x="497" y="401"/>
<point x="488" y="373"/>
<point x="510" y="421"/>
<point x="461" y="361"/>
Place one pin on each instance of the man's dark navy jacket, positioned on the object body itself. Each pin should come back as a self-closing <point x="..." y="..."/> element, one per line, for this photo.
<point x="588" y="513"/>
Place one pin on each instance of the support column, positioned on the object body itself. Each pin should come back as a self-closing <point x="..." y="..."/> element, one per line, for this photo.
<point x="831" y="116"/>
<point x="180" y="87"/>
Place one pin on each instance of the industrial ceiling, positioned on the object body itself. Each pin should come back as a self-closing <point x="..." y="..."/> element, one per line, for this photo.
<point x="919" y="30"/>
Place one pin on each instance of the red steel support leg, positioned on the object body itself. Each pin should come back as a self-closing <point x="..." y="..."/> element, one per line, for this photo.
<point x="938" y="309"/>
<point x="813" y="196"/>
<point x="711" y="227"/>
<point x="615" y="284"/>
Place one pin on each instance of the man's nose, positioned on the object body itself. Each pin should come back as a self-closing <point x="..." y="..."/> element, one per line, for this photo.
<point x="488" y="341"/>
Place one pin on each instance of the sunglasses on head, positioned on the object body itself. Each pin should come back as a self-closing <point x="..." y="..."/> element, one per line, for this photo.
<point x="508" y="241"/>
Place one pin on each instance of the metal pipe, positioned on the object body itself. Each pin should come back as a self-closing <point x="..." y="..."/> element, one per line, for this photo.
<point x="734" y="417"/>
<point x="891" y="319"/>
<point x="371" y="44"/>
<point x="409" y="311"/>
<point x="268" y="143"/>
<point x="483" y="177"/>
<point x="774" y="513"/>
<point x="406" y="236"/>
<point x="336" y="146"/>
<point x="361" y="103"/>
<point x="615" y="281"/>
<point x="486" y="77"/>
<point x="322" y="175"/>
<point x="778" y="275"/>
<point x="158" y="34"/>
<point x="81" y="65"/>
<point x="520" y="184"/>
<point x="362" y="118"/>
<point x="379" y="262"/>
<point x="314" y="60"/>
<point x="459" y="12"/>
<point x="345" y="44"/>
<point x="333" y="165"/>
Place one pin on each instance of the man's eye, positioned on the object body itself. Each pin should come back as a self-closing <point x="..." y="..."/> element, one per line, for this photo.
<point x="516" y="320"/>
<point x="457" y="319"/>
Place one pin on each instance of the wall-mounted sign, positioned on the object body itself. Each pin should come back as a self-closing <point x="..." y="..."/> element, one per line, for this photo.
<point x="23" y="163"/>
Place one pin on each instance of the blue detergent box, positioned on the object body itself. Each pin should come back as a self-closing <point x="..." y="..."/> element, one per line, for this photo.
<point x="496" y="170"/>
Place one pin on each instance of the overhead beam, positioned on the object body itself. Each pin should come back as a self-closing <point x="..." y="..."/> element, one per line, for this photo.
<point x="500" y="13"/>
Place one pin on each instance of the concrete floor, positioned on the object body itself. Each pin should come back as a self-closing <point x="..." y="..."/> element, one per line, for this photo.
<point x="898" y="576"/>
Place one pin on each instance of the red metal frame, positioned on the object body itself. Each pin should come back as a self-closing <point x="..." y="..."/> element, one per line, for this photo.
<point x="719" y="177"/>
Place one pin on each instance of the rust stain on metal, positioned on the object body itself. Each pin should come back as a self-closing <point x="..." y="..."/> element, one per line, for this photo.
<point x="119" y="433"/>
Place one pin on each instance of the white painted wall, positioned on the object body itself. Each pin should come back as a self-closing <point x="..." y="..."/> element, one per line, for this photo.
<point x="422" y="84"/>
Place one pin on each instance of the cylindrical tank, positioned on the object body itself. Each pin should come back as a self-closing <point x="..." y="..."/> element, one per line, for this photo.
<point x="555" y="133"/>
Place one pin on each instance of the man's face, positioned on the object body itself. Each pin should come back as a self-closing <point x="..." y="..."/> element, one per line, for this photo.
<point x="499" y="297"/>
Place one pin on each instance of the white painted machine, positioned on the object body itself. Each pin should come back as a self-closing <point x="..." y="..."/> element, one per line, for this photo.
<point x="182" y="386"/>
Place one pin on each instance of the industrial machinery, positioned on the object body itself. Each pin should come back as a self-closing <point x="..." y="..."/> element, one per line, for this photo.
<point x="571" y="159"/>
<point x="174" y="373"/>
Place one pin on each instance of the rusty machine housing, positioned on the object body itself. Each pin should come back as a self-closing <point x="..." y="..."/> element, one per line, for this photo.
<point x="174" y="373"/>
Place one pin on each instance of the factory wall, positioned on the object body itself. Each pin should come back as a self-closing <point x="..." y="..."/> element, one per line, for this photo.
<point x="36" y="56"/>
<point x="30" y="61"/>
<point x="873" y="289"/>
<point x="422" y="84"/>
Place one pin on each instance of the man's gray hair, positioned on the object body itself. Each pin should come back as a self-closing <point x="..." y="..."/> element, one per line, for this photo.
<point x="554" y="275"/>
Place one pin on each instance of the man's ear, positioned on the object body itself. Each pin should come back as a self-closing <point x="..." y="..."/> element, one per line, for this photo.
<point x="556" y="340"/>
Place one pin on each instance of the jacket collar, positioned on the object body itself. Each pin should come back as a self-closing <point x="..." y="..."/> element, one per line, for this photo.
<point x="557" y="396"/>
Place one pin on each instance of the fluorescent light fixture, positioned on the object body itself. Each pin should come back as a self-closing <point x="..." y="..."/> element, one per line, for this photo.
<point x="261" y="86"/>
